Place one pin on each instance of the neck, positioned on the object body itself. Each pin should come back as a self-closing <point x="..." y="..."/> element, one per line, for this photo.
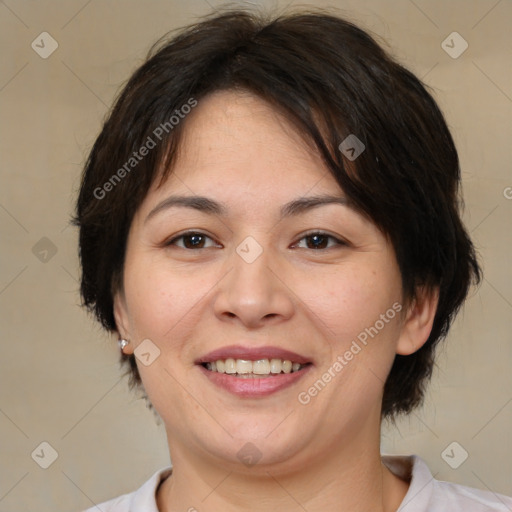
<point x="352" y="477"/>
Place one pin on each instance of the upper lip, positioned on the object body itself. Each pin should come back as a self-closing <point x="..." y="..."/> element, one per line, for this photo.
<point x="252" y="354"/>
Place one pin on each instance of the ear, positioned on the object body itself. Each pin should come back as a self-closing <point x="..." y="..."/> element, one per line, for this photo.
<point x="122" y="321"/>
<point x="418" y="322"/>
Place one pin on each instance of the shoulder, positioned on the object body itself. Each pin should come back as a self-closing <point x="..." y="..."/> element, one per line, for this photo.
<point x="469" y="499"/>
<point x="119" y="504"/>
<point x="426" y="494"/>
<point x="144" y="498"/>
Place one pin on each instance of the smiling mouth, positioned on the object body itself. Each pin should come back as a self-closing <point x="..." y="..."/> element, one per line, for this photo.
<point x="247" y="369"/>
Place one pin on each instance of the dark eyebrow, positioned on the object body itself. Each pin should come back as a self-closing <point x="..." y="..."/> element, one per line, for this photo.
<point x="206" y="205"/>
<point x="203" y="204"/>
<point x="303" y="204"/>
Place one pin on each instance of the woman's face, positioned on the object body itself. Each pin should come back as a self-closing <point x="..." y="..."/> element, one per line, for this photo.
<point x="259" y="271"/>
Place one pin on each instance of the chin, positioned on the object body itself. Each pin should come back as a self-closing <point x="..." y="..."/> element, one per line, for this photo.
<point x="253" y="447"/>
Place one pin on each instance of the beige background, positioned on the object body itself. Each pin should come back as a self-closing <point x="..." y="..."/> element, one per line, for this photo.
<point x="59" y="376"/>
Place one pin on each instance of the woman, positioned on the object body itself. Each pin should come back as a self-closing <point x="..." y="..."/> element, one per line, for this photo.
<point x="269" y="221"/>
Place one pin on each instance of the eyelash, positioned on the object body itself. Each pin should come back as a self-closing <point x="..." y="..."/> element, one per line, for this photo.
<point x="310" y="234"/>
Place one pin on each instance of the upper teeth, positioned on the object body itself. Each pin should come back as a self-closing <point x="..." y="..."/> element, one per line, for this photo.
<point x="260" y="367"/>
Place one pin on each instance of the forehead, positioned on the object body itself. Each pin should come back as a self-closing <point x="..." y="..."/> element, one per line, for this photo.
<point x="236" y="143"/>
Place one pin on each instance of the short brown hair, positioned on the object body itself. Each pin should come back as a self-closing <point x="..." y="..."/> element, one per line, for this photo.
<point x="330" y="79"/>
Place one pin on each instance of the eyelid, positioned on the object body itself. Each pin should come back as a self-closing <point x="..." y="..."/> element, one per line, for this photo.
<point x="171" y="241"/>
<point x="339" y="241"/>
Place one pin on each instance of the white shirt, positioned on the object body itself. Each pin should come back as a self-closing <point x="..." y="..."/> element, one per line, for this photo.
<point x="424" y="495"/>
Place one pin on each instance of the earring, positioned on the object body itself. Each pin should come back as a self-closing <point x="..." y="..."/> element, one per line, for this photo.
<point x="122" y="343"/>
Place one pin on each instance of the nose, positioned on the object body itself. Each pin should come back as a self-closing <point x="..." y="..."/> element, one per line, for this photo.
<point x="254" y="293"/>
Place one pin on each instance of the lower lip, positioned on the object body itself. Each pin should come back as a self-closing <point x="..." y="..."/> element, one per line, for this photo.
<point x="257" y="387"/>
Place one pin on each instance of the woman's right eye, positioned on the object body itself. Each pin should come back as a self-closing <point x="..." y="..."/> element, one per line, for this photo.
<point x="190" y="240"/>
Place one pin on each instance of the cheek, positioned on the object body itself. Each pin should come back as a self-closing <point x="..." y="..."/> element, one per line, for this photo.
<point x="350" y="299"/>
<point x="160" y="298"/>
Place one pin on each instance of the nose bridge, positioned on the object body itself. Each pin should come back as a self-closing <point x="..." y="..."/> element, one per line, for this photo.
<point x="251" y="265"/>
<point x="252" y="291"/>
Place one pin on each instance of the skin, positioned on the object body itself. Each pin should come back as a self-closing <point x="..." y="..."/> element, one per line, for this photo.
<point x="324" y="455"/>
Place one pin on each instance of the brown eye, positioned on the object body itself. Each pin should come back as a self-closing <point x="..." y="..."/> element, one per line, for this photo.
<point x="319" y="240"/>
<point x="191" y="240"/>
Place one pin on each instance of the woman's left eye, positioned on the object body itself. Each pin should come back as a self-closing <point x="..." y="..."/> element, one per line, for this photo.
<point x="319" y="240"/>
